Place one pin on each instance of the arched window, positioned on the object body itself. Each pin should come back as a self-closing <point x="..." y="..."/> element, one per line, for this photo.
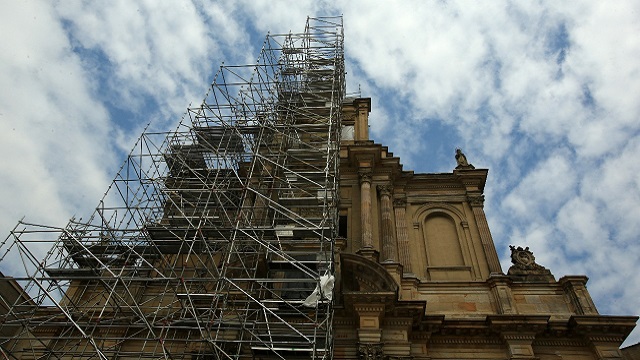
<point x="442" y="242"/>
<point x="447" y="252"/>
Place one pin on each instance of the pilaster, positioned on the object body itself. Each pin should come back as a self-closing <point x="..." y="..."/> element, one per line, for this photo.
<point x="389" y="246"/>
<point x="399" y="206"/>
<point x="363" y="108"/>
<point x="367" y="249"/>
<point x="365" y="208"/>
<point x="477" y="205"/>
<point x="501" y="291"/>
<point x="576" y="292"/>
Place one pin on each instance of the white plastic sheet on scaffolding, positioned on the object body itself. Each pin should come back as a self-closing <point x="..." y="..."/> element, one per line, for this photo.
<point x="322" y="290"/>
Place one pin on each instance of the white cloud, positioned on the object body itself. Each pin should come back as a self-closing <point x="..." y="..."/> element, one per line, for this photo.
<point x="54" y="136"/>
<point x="50" y="126"/>
<point x="544" y="189"/>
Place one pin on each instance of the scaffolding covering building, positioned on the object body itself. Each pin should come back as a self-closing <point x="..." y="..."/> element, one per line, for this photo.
<point x="214" y="241"/>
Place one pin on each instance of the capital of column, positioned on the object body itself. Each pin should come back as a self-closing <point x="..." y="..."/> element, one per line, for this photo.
<point x="371" y="351"/>
<point x="400" y="202"/>
<point x="385" y="190"/>
<point x="476" y="200"/>
<point x="365" y="175"/>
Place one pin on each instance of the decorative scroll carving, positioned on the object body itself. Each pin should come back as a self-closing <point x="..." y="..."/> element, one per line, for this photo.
<point x="370" y="351"/>
<point x="525" y="267"/>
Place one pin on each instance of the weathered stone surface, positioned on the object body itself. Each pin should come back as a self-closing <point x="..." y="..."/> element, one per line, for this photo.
<point x="443" y="294"/>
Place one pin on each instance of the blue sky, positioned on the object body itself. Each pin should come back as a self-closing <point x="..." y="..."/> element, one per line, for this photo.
<point x="544" y="94"/>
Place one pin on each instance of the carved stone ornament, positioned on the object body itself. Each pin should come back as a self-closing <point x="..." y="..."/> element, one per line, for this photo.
<point x="365" y="176"/>
<point x="525" y="267"/>
<point x="401" y="202"/>
<point x="370" y="351"/>
<point x="385" y="189"/>
<point x="476" y="200"/>
<point x="461" y="159"/>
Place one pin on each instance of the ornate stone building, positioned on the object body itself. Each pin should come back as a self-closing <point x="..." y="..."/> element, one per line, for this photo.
<point x="419" y="275"/>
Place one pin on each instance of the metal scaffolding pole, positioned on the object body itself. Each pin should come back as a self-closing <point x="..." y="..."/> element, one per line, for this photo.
<point x="214" y="241"/>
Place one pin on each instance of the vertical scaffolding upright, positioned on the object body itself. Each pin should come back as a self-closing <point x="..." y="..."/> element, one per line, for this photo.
<point x="214" y="241"/>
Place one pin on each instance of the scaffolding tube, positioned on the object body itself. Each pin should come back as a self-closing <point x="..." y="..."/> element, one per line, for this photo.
<point x="214" y="241"/>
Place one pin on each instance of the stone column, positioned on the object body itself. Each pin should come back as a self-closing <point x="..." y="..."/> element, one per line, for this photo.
<point x="477" y="204"/>
<point x="365" y="209"/>
<point x="389" y="246"/>
<point x="399" y="206"/>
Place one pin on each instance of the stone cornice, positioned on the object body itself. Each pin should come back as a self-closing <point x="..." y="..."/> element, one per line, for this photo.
<point x="419" y="199"/>
<point x="369" y="307"/>
<point x="342" y="320"/>
<point x="518" y="336"/>
<point x="571" y="279"/>
<point x="518" y="323"/>
<point x="397" y="322"/>
<point x="560" y="342"/>
<point x="595" y="326"/>
<point x="529" y="328"/>
<point x="465" y="340"/>
<point x="373" y="299"/>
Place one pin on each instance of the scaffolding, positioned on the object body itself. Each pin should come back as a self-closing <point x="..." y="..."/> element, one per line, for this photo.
<point x="214" y="241"/>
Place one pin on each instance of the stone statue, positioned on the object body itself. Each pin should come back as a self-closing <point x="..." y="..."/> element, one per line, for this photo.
<point x="462" y="160"/>
<point x="525" y="268"/>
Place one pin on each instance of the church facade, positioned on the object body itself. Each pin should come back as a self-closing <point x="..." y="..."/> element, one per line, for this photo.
<point x="419" y="275"/>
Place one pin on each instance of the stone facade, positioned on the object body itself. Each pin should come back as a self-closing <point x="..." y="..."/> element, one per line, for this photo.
<point x="419" y="275"/>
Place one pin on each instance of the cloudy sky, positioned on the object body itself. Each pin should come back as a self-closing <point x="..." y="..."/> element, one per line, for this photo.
<point x="544" y="94"/>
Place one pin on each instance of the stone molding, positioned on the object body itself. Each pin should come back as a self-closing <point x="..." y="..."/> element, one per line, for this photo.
<point x="394" y="322"/>
<point x="466" y="341"/>
<point x="429" y="208"/>
<point x="560" y="342"/>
